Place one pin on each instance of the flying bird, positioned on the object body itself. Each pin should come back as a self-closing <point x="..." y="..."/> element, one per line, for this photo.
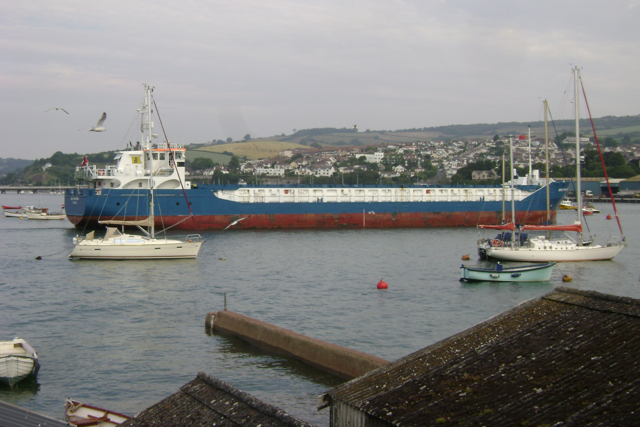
<point x="99" y="127"/>
<point x="57" y="108"/>
<point x="235" y="222"/>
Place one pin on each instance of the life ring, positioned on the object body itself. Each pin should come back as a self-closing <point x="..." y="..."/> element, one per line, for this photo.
<point x="496" y="243"/>
<point x="101" y="172"/>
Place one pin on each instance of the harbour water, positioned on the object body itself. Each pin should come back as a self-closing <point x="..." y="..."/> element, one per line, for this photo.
<point x="125" y="335"/>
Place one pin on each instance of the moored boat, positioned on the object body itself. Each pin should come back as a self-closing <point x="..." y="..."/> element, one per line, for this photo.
<point x="566" y="205"/>
<point x="500" y="273"/>
<point x="14" y="214"/>
<point x="545" y="249"/>
<point x="121" y="192"/>
<point x="18" y="360"/>
<point x="116" y="245"/>
<point x="589" y="209"/>
<point x="12" y="208"/>
<point x="80" y="414"/>
<point x="43" y="214"/>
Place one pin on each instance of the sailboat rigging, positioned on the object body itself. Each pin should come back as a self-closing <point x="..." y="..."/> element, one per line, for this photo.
<point x="545" y="249"/>
<point x="118" y="245"/>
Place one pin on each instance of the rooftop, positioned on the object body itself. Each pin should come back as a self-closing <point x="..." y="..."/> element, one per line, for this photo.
<point x="209" y="401"/>
<point x="567" y="357"/>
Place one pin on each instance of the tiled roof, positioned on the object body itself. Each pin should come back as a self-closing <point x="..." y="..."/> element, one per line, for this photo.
<point x="569" y="357"/>
<point x="207" y="401"/>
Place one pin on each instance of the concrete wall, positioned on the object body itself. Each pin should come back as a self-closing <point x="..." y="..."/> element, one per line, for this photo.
<point x="331" y="358"/>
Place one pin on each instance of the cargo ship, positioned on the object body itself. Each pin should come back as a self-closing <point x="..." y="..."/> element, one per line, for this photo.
<point x="122" y="191"/>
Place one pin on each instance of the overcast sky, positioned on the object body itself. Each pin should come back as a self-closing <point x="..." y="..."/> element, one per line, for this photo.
<point x="227" y="68"/>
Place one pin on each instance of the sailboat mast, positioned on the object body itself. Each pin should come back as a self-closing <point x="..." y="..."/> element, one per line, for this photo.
<point x="576" y="76"/>
<point x="503" y="193"/>
<point x="147" y="125"/>
<point x="530" y="171"/>
<point x="513" y="201"/>
<point x="546" y="150"/>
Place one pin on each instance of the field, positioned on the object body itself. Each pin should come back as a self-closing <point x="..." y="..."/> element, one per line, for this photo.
<point x="615" y="131"/>
<point x="252" y="150"/>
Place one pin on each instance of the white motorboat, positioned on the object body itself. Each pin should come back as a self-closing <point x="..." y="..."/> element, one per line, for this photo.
<point x="589" y="209"/>
<point x="18" y="360"/>
<point x="118" y="245"/>
<point x="546" y="249"/>
<point x="43" y="214"/>
<point x="14" y="214"/>
<point x="81" y="414"/>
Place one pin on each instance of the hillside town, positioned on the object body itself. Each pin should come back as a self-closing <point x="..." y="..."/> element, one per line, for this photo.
<point x="394" y="160"/>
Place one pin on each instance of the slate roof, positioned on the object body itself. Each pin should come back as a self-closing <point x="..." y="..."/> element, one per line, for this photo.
<point x="209" y="401"/>
<point x="567" y="358"/>
<point x="14" y="416"/>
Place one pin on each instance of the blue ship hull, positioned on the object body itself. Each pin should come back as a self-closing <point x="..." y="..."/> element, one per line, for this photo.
<point x="86" y="206"/>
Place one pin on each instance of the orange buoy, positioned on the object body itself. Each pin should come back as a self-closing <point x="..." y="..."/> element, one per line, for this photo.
<point x="609" y="216"/>
<point x="465" y="257"/>
<point x="382" y="284"/>
<point x="567" y="278"/>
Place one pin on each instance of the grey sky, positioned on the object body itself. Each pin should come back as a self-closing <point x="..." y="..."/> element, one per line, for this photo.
<point x="227" y="68"/>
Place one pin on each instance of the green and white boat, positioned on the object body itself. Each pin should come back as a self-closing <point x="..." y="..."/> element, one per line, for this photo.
<point x="500" y="273"/>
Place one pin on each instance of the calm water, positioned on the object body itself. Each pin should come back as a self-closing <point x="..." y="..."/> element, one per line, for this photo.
<point x="124" y="335"/>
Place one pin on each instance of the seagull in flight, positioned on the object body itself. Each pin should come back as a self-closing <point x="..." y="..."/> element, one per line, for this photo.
<point x="235" y="222"/>
<point x="57" y="108"/>
<point x="99" y="127"/>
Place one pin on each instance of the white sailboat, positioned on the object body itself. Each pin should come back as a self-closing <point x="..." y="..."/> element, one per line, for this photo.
<point x="118" y="245"/>
<point x="545" y="249"/>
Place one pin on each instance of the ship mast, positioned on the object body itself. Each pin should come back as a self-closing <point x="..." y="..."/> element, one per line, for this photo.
<point x="576" y="77"/>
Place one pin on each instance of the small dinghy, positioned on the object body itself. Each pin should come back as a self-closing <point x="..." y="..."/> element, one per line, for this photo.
<point x="500" y="273"/>
<point x="18" y="360"/>
<point x="82" y="415"/>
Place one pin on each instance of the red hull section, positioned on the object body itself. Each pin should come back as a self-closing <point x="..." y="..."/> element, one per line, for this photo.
<point x="318" y="221"/>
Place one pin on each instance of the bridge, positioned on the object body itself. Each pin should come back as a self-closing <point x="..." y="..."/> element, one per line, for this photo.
<point x="33" y="189"/>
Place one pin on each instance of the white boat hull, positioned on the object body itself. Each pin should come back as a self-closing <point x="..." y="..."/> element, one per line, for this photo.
<point x="17" y="361"/>
<point x="135" y="247"/>
<point x="80" y="414"/>
<point x="42" y="216"/>
<point x="500" y="273"/>
<point x="14" y="214"/>
<point x="570" y="252"/>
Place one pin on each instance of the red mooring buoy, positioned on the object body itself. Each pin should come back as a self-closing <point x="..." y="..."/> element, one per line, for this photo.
<point x="609" y="216"/>
<point x="382" y="284"/>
